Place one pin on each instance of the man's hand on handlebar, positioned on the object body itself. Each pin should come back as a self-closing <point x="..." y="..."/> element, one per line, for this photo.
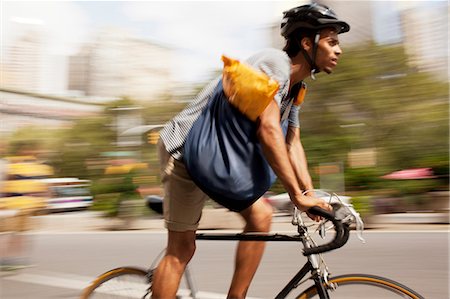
<point x="305" y="202"/>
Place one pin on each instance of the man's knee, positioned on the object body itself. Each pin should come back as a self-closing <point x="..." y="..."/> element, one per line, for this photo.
<point x="258" y="217"/>
<point x="181" y="245"/>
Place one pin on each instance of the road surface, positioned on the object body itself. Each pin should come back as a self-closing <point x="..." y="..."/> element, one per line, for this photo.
<point x="66" y="262"/>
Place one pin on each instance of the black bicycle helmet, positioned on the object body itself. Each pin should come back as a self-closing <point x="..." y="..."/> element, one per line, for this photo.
<point x="311" y="16"/>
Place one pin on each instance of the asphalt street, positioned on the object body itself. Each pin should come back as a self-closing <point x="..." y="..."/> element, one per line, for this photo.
<point x="66" y="262"/>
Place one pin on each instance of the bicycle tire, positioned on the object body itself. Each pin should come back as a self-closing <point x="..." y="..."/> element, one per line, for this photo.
<point x="123" y="282"/>
<point x="363" y="286"/>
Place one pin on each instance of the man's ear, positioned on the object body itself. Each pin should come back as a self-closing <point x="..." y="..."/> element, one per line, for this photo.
<point x="306" y="43"/>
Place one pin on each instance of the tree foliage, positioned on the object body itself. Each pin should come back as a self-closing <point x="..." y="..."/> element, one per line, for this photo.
<point x="82" y="143"/>
<point x="399" y="111"/>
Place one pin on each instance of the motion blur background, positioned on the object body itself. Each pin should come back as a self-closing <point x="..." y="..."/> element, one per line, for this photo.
<point x="86" y="85"/>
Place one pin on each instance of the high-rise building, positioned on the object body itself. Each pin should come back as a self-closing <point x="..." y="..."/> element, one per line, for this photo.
<point x="359" y="15"/>
<point x="23" y="62"/>
<point x="28" y="62"/>
<point x="425" y="31"/>
<point x="118" y="64"/>
<point x="79" y="71"/>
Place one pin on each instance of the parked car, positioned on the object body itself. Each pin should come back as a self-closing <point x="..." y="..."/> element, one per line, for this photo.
<point x="68" y="194"/>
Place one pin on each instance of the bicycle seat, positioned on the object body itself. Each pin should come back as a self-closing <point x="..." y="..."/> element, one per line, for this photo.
<point x="155" y="203"/>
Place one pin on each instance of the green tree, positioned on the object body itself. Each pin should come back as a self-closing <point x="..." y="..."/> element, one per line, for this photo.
<point x="82" y="143"/>
<point x="32" y="140"/>
<point x="403" y="113"/>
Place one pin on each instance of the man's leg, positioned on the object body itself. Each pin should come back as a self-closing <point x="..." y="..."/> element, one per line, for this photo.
<point x="180" y="249"/>
<point x="183" y="204"/>
<point x="258" y="218"/>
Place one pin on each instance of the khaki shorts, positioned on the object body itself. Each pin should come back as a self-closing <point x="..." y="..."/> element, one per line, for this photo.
<point x="183" y="200"/>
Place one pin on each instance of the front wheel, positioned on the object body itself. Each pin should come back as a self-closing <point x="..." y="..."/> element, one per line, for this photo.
<point x="124" y="282"/>
<point x="362" y="286"/>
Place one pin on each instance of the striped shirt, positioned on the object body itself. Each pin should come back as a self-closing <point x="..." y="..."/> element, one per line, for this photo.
<point x="275" y="63"/>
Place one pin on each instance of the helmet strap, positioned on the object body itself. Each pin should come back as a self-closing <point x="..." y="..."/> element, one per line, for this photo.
<point x="311" y="60"/>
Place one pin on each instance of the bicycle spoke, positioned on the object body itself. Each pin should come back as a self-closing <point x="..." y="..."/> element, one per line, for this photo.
<point x="122" y="285"/>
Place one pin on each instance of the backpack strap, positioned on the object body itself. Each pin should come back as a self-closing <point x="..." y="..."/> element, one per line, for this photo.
<point x="297" y="96"/>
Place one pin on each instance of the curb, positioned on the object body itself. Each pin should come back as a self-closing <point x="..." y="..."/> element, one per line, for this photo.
<point x="222" y="219"/>
<point x="412" y="218"/>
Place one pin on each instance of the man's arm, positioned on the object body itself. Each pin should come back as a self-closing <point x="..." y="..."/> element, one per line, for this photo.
<point x="298" y="158"/>
<point x="275" y="150"/>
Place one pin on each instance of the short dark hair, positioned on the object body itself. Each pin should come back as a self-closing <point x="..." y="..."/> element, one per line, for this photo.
<point x="292" y="46"/>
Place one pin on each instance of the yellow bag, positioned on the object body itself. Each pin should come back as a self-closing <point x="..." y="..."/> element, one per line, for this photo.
<point x="247" y="89"/>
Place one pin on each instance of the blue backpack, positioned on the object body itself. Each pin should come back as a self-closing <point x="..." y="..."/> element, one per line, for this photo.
<point x="223" y="156"/>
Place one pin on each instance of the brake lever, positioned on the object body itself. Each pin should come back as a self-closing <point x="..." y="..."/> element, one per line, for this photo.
<point x="359" y="224"/>
<point x="322" y="230"/>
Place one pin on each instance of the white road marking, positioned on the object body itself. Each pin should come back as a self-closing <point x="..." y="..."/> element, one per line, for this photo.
<point x="78" y="282"/>
<point x="55" y="280"/>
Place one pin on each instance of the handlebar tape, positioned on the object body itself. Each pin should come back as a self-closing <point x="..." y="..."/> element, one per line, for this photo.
<point x="341" y="237"/>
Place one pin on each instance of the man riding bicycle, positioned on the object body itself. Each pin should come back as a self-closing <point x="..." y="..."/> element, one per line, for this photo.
<point x="312" y="45"/>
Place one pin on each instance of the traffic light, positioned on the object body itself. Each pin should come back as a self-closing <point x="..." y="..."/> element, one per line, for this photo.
<point x="153" y="137"/>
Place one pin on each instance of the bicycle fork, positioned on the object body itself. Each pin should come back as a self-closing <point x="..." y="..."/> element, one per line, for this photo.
<point x="313" y="266"/>
<point x="319" y="280"/>
<point x="190" y="282"/>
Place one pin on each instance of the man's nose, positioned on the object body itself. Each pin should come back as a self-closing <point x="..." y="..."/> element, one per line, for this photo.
<point x="338" y="50"/>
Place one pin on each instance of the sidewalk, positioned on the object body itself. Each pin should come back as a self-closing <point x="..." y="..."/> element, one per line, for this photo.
<point x="220" y="219"/>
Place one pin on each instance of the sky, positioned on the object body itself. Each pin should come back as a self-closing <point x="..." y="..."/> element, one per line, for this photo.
<point x="200" y="31"/>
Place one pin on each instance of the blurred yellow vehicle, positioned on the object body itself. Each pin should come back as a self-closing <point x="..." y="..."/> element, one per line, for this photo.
<point x="32" y="203"/>
<point x="24" y="188"/>
<point x="28" y="195"/>
<point x="20" y="159"/>
<point x="125" y="168"/>
<point x="29" y="170"/>
<point x="29" y="186"/>
<point x="46" y="195"/>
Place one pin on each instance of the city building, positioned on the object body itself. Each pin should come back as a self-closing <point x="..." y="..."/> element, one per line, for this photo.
<point x="78" y="72"/>
<point x="22" y="66"/>
<point x="118" y="64"/>
<point x="28" y="64"/>
<point x="425" y="34"/>
<point x="359" y="15"/>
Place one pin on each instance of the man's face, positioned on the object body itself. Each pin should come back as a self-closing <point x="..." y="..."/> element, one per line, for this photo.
<point x="328" y="50"/>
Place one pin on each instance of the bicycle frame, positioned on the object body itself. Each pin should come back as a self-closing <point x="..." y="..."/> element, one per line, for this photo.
<point x="311" y="266"/>
<point x="310" y="250"/>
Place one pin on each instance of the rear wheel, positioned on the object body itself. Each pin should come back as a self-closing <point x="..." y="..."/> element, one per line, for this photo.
<point x="363" y="286"/>
<point x="124" y="282"/>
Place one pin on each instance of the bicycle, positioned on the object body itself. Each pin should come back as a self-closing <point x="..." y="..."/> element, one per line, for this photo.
<point x="132" y="282"/>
